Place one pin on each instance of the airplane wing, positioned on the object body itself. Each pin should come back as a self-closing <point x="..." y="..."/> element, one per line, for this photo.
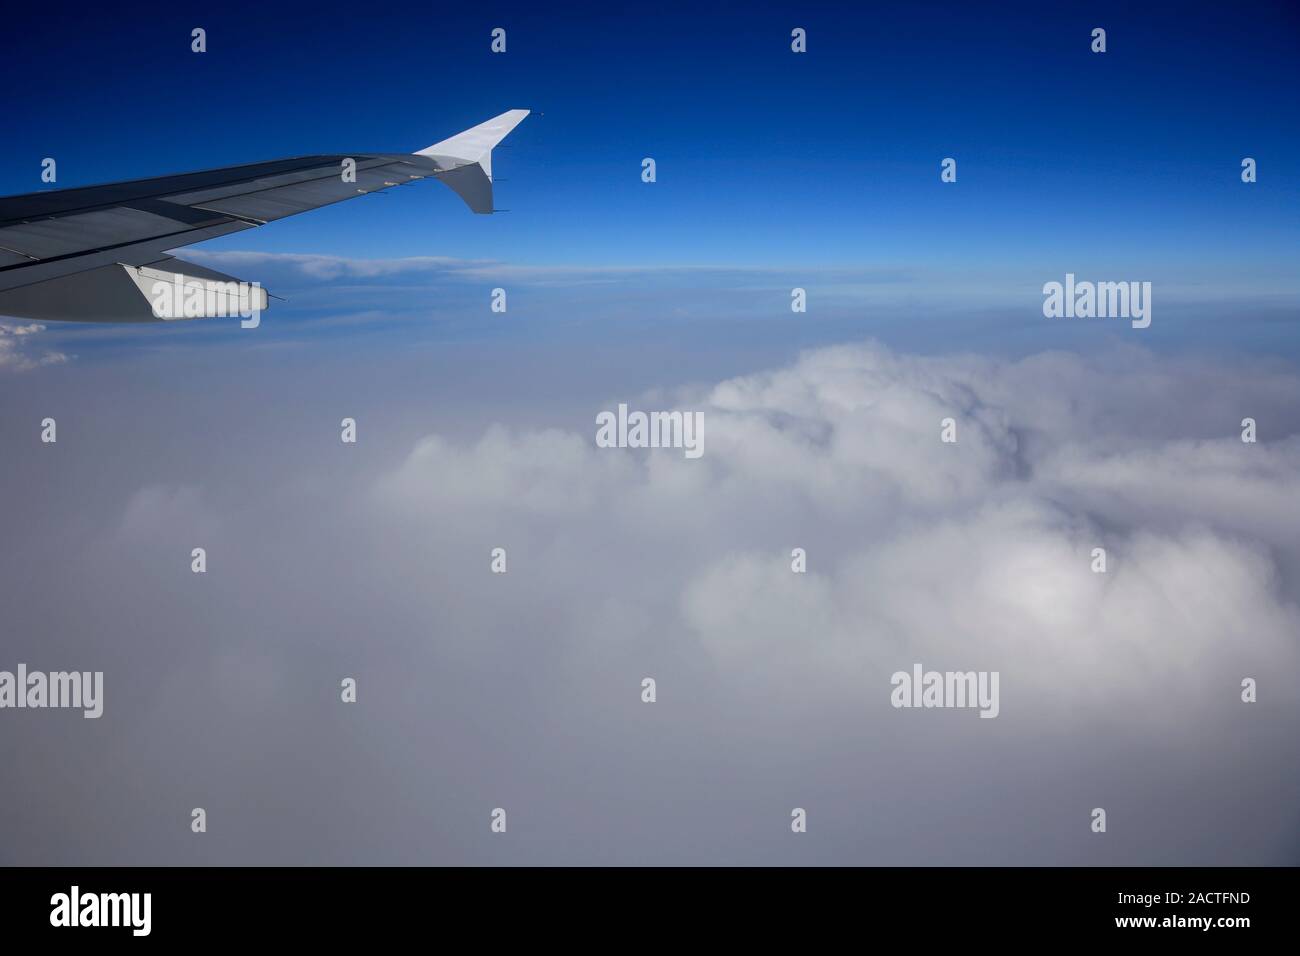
<point x="95" y="254"/>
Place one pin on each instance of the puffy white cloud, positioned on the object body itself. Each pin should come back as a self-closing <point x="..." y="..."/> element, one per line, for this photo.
<point x="976" y="554"/>
<point x="16" y="352"/>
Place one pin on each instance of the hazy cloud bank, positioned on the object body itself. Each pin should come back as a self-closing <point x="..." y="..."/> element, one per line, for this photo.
<point x="521" y="690"/>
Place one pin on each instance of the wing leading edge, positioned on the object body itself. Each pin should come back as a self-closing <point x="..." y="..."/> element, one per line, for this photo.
<point x="82" y="254"/>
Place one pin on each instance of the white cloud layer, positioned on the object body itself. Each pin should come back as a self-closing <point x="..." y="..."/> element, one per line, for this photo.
<point x="969" y="555"/>
<point x="522" y="690"/>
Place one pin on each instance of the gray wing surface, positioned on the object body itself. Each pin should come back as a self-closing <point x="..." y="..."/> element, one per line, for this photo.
<point x="91" y="254"/>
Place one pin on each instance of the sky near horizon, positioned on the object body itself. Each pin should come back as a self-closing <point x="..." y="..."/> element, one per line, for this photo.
<point x="775" y="170"/>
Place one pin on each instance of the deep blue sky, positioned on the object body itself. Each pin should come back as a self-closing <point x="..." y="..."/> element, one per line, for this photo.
<point x="1124" y="165"/>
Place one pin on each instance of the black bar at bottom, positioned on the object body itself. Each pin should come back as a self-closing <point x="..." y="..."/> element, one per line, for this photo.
<point x="653" y="906"/>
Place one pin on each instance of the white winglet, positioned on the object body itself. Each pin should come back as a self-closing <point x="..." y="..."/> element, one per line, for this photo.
<point x="466" y="158"/>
